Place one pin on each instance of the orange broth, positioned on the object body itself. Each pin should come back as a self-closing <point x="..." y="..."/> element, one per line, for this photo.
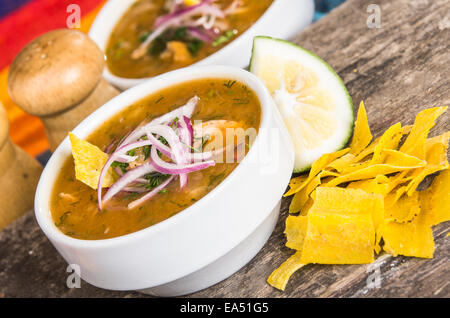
<point x="74" y="205"/>
<point x="132" y="28"/>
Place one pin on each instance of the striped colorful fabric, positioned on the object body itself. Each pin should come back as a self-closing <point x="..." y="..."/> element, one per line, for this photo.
<point x="20" y="22"/>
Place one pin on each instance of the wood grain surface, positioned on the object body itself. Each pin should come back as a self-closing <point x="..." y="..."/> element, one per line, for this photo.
<point x="398" y="70"/>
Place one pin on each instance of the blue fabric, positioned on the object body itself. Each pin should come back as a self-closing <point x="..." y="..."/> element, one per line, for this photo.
<point x="325" y="6"/>
<point x="44" y="157"/>
<point x="7" y="6"/>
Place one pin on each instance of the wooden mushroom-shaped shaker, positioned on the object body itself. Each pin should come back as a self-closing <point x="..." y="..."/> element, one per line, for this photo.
<point x="58" y="77"/>
<point x="19" y="175"/>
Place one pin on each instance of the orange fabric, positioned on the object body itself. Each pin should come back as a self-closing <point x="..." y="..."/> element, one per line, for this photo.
<point x="28" y="131"/>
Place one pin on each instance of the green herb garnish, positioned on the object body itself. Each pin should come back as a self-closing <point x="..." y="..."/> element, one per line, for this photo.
<point x="144" y="36"/>
<point x="194" y="46"/>
<point x="146" y="151"/>
<point x="223" y="38"/>
<point x="155" y="179"/>
<point x="229" y="84"/>
<point x="131" y="195"/>
<point x="215" y="178"/>
<point x="158" y="46"/>
<point x="241" y="101"/>
<point x="180" y="34"/>
<point x="62" y="218"/>
<point x="122" y="165"/>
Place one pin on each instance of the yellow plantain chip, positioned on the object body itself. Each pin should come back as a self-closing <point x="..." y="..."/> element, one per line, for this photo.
<point x="398" y="179"/>
<point x="388" y="141"/>
<point x="436" y="157"/>
<point x="89" y="161"/>
<point x="356" y="199"/>
<point x="296" y="228"/>
<point x="349" y="202"/>
<point x="441" y="139"/>
<point x="301" y="197"/>
<point x="367" y="152"/>
<point x="406" y="129"/>
<point x="340" y="163"/>
<point x="338" y="239"/>
<point x="316" y="168"/>
<point x="398" y="158"/>
<point x="361" y="135"/>
<point x="308" y="205"/>
<point x="413" y="238"/>
<point x="368" y="173"/>
<point x="355" y="167"/>
<point x="390" y="157"/>
<point x="280" y="277"/>
<point x="403" y="209"/>
<point x="425" y="120"/>
<point x="435" y="201"/>
<point x="296" y="183"/>
<point x="378" y="185"/>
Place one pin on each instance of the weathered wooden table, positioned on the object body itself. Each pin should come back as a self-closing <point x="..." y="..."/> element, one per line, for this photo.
<point x="397" y="69"/>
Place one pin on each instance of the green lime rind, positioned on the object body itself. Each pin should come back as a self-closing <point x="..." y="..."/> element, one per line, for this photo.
<point x="332" y="71"/>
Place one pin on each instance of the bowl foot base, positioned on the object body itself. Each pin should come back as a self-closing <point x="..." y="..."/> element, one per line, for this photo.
<point x="223" y="267"/>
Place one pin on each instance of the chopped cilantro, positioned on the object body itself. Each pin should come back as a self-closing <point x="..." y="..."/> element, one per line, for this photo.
<point x="224" y="38"/>
<point x="122" y="165"/>
<point x="158" y="46"/>
<point x="194" y="46"/>
<point x="180" y="34"/>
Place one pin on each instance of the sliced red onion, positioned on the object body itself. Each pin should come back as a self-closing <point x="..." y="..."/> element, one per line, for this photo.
<point x="170" y="168"/>
<point x="189" y="127"/>
<point x="178" y="150"/>
<point x="138" y="180"/>
<point x="167" y="21"/>
<point x="180" y="14"/>
<point x="129" y="177"/>
<point x="171" y="137"/>
<point x="125" y="158"/>
<point x="122" y="150"/>
<point x="160" y="146"/>
<point x="201" y="156"/>
<point x="151" y="194"/>
<point x="197" y="33"/>
<point x="135" y="189"/>
<point x="186" y="138"/>
<point x="110" y="147"/>
<point x="185" y="110"/>
<point x="118" y="171"/>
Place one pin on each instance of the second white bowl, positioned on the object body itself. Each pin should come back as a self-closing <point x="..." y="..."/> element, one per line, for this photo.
<point x="283" y="19"/>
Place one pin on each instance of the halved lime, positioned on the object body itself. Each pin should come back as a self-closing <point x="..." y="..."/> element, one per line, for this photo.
<point x="311" y="97"/>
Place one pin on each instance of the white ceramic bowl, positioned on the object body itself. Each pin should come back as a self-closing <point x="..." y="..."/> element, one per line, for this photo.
<point x="206" y="242"/>
<point x="283" y="19"/>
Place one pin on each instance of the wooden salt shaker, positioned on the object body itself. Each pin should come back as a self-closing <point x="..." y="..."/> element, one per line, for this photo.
<point x="58" y="77"/>
<point x="19" y="175"/>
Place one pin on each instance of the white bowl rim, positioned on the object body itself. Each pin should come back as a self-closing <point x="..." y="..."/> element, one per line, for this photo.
<point x="133" y="80"/>
<point x="46" y="223"/>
